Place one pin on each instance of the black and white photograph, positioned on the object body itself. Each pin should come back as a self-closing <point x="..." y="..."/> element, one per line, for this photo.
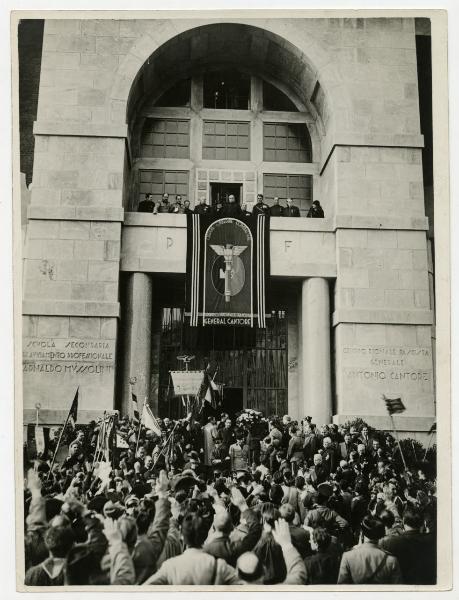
<point x="228" y="257"/>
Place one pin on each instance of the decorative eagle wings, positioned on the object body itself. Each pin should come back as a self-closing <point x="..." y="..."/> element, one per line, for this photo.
<point x="222" y="250"/>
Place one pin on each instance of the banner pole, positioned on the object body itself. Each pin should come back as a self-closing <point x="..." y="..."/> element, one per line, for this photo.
<point x="165" y="445"/>
<point x="57" y="448"/>
<point x="140" y="428"/>
<point x="398" y="442"/>
<point x="428" y="444"/>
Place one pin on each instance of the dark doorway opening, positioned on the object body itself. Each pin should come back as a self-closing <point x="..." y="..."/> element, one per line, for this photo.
<point x="219" y="192"/>
<point x="233" y="400"/>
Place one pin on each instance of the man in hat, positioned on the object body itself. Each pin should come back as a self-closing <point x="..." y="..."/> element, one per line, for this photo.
<point x="366" y="563"/>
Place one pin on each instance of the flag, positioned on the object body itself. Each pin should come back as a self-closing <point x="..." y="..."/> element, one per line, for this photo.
<point x="227" y="270"/>
<point x="394" y="405"/>
<point x="120" y="441"/>
<point x="73" y="412"/>
<point x="40" y="439"/>
<point x="209" y="390"/>
<point x="149" y="420"/>
<point x="135" y="407"/>
<point x="433" y="429"/>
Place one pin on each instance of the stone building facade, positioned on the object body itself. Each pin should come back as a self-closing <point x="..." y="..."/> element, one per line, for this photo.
<point x="329" y="109"/>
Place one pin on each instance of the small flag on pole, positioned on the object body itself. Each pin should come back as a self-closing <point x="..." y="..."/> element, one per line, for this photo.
<point x="120" y="441"/>
<point x="149" y="420"/>
<point x="394" y="405"/>
<point x="135" y="407"/>
<point x="73" y="412"/>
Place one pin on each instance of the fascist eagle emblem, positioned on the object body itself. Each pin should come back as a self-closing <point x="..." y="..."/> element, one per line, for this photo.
<point x="234" y="273"/>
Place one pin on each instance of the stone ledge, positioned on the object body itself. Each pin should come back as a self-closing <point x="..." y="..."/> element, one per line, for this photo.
<point x="382" y="316"/>
<point x="136" y="219"/>
<point x="57" y="417"/>
<point x="282" y="268"/>
<point x="80" y="129"/>
<point x="402" y="423"/>
<point x="70" y="308"/>
<point x="371" y="140"/>
<point x="375" y="222"/>
<point x="78" y="213"/>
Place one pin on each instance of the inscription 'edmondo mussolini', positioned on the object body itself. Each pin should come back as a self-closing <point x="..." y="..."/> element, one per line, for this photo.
<point x="58" y="356"/>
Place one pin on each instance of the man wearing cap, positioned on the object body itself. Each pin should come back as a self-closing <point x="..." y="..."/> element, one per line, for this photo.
<point x="366" y="563"/>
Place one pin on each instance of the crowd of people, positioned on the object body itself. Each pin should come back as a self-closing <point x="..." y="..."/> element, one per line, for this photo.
<point x="231" y="208"/>
<point x="246" y="500"/>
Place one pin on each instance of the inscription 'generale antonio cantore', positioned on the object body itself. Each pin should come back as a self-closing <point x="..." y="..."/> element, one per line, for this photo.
<point x="387" y="363"/>
<point x="64" y="356"/>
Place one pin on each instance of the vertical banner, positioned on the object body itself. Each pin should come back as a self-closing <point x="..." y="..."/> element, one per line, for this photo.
<point x="227" y="270"/>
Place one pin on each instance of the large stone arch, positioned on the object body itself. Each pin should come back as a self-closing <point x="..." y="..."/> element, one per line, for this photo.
<point x="304" y="60"/>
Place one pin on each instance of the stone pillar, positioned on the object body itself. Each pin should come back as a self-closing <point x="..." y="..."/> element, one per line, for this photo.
<point x="137" y="359"/>
<point x="315" y="372"/>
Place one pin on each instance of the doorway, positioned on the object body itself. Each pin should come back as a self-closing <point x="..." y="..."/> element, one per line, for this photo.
<point x="219" y="192"/>
<point x="233" y="400"/>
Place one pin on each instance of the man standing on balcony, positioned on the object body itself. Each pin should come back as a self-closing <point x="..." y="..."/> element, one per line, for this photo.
<point x="260" y="207"/>
<point x="146" y="205"/>
<point x="231" y="208"/>
<point x="316" y="211"/>
<point x="202" y="208"/>
<point x="177" y="208"/>
<point x="291" y="210"/>
<point x="164" y="207"/>
<point x="276" y="209"/>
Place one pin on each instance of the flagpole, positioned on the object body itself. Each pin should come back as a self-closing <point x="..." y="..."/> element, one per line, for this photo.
<point x="165" y="445"/>
<point x="57" y="447"/>
<point x="140" y="427"/>
<point x="428" y="444"/>
<point x="398" y="442"/>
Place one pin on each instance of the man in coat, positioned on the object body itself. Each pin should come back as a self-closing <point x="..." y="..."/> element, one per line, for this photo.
<point x="415" y="551"/>
<point x="291" y="210"/>
<point x="366" y="563"/>
<point x="346" y="447"/>
<point x="260" y="208"/>
<point x="202" y="208"/>
<point x="146" y="205"/>
<point x="276" y="209"/>
<point x="316" y="211"/>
